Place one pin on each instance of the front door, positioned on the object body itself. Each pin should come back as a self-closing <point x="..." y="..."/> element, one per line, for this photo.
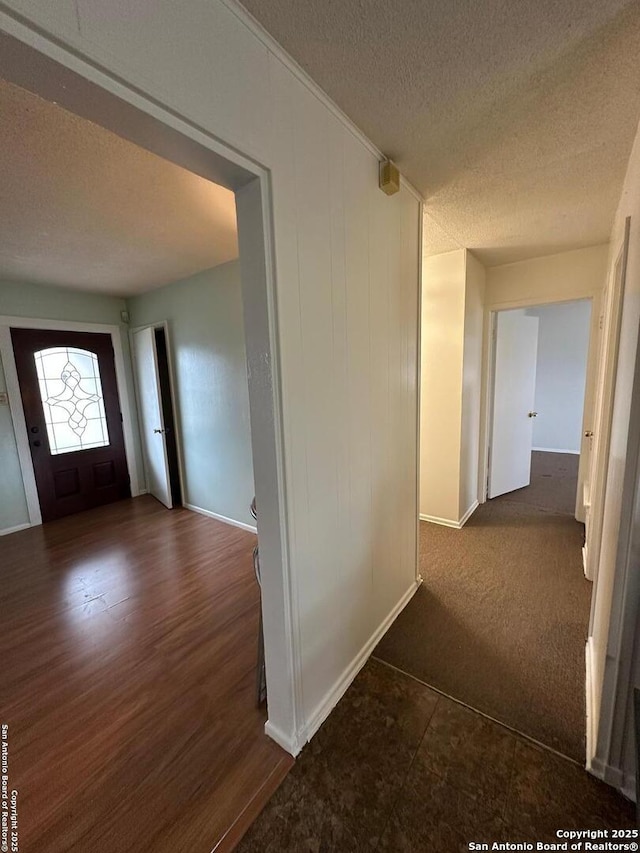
<point x="72" y="412"/>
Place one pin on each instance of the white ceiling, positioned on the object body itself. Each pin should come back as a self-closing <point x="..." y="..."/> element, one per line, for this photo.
<point x="82" y="208"/>
<point x="514" y="119"/>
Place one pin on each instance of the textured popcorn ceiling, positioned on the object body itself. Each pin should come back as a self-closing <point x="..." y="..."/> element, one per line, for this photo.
<point x="514" y="118"/>
<point x="83" y="208"/>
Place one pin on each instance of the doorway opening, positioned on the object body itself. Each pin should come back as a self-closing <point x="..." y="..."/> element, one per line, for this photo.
<point x="168" y="414"/>
<point x="538" y="429"/>
<point x="180" y="598"/>
<point x="500" y="620"/>
<point x="157" y="415"/>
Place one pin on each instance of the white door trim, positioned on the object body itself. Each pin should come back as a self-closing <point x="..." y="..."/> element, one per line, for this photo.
<point x="419" y="578"/>
<point x="258" y="278"/>
<point x="17" y="411"/>
<point x="607" y="369"/>
<point x="488" y="369"/>
<point x="608" y="758"/>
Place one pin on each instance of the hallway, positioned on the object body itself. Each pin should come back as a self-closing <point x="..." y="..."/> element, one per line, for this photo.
<point x="129" y="651"/>
<point x="501" y="619"/>
<point x="400" y="768"/>
<point x="499" y="624"/>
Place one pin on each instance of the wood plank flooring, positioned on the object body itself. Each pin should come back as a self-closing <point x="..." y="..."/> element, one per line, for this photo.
<point x="128" y="646"/>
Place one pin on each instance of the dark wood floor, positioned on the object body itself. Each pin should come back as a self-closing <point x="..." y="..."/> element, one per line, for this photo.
<point x="128" y="648"/>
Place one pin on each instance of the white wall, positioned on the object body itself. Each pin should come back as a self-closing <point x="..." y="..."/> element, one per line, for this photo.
<point x="452" y="321"/>
<point x="561" y="374"/>
<point x="563" y="277"/>
<point x="553" y="278"/>
<point x="443" y="314"/>
<point x="22" y="299"/>
<point x="614" y="642"/>
<point x="346" y="268"/>
<point x="475" y="285"/>
<point x="206" y="332"/>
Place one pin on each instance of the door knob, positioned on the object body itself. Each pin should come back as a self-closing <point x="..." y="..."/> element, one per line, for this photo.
<point x="35" y="430"/>
<point x="533" y="414"/>
<point x="36" y="443"/>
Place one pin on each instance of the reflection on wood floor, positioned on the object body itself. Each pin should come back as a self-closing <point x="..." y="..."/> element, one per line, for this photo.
<point x="128" y="646"/>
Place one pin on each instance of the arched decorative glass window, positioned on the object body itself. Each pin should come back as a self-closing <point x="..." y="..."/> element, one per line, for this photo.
<point x="71" y="394"/>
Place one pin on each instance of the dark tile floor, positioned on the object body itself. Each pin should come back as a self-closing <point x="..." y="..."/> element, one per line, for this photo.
<point x="400" y="767"/>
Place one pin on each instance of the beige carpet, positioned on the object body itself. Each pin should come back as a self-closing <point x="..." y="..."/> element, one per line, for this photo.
<point x="501" y="620"/>
<point x="554" y="479"/>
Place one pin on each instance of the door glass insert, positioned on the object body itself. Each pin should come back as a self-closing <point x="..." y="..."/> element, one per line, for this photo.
<point x="71" y="394"/>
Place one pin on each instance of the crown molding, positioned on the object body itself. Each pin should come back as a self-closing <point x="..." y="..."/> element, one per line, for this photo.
<point x="256" y="28"/>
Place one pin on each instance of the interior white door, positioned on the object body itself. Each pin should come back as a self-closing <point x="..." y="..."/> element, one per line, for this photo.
<point x="516" y="350"/>
<point x="152" y="427"/>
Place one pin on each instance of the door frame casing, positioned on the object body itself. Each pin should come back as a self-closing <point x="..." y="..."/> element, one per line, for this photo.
<point x="161" y="324"/>
<point x="488" y="372"/>
<point x="607" y="717"/>
<point x="607" y="368"/>
<point x="17" y="410"/>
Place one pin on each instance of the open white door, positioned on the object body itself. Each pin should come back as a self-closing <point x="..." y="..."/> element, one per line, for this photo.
<point x="152" y="426"/>
<point x="516" y="350"/>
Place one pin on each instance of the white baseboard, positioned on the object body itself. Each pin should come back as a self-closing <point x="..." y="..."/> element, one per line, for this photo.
<point x="614" y="776"/>
<point x="474" y="506"/>
<point x="289" y="744"/>
<point x="223" y="518"/>
<point x="611" y="775"/>
<point x="585" y="562"/>
<point x="446" y="522"/>
<point x="590" y="697"/>
<point x="630" y="788"/>
<point x="555" y="450"/>
<point x="338" y="690"/>
<point x="449" y="522"/>
<point x="18" y="527"/>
